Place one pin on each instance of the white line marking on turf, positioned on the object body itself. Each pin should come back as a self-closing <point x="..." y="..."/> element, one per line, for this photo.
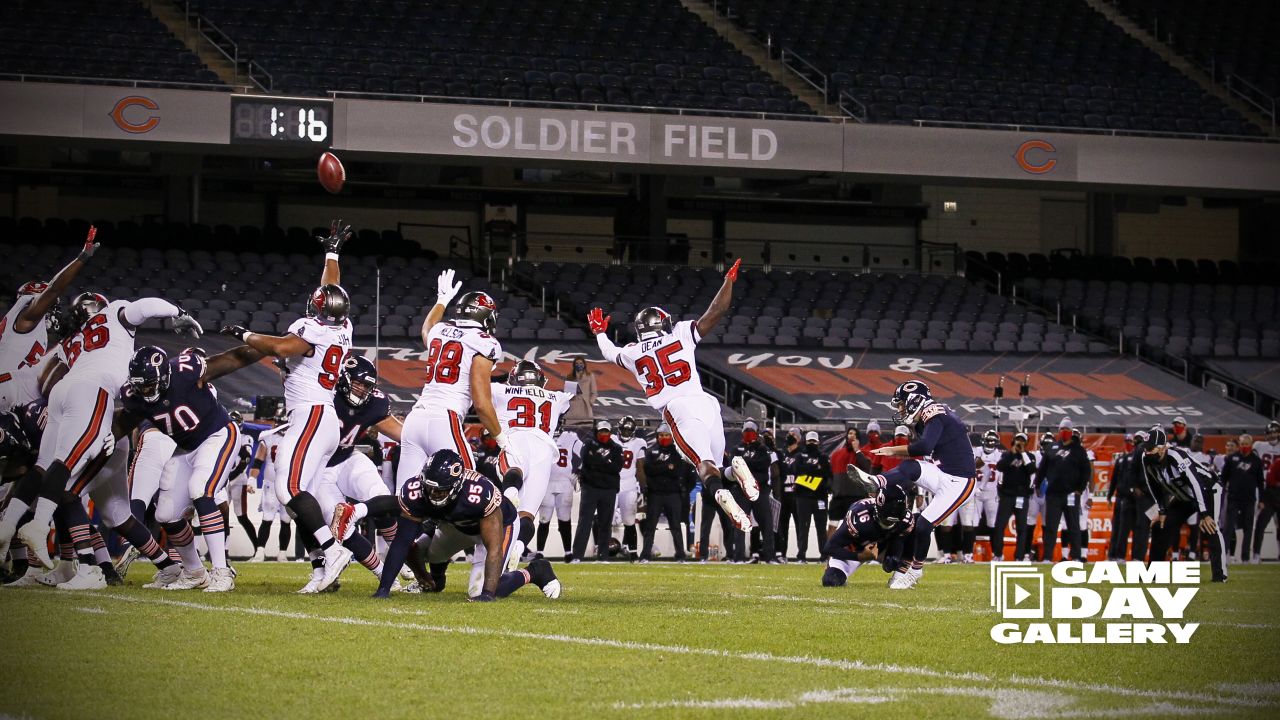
<point x="1006" y="703"/>
<point x="1247" y="689"/>
<point x="92" y="610"/>
<point x="805" y="661"/>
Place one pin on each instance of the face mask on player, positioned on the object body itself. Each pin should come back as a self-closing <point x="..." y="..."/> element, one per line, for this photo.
<point x="664" y="439"/>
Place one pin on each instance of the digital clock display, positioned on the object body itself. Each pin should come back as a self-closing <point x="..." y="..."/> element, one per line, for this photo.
<point x="281" y="121"/>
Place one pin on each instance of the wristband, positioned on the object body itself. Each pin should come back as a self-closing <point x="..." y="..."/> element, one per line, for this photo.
<point x="331" y="256"/>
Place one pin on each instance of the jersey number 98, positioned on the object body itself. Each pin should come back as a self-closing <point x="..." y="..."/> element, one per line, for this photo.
<point x="444" y="362"/>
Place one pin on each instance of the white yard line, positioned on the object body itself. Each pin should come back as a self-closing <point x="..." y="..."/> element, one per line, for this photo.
<point x="1006" y="703"/>
<point x="92" y="610"/>
<point x="647" y="647"/>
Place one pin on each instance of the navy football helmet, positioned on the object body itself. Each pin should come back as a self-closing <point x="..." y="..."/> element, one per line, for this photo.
<point x="478" y="307"/>
<point x="893" y="506"/>
<point x="149" y="373"/>
<point x="443" y="477"/>
<point x="652" y="322"/>
<point x="358" y="379"/>
<point x="526" y="373"/>
<point x="908" y="400"/>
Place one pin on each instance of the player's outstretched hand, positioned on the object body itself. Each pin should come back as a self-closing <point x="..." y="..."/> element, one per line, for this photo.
<point x="90" y="247"/>
<point x="598" y="321"/>
<point x="732" y="275"/>
<point x="446" y="287"/>
<point x="381" y="594"/>
<point x="236" y="331"/>
<point x="184" y="324"/>
<point x="338" y="236"/>
<point x="483" y="597"/>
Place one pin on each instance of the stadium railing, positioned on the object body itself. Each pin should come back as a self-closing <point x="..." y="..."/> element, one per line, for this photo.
<point x="124" y="82"/>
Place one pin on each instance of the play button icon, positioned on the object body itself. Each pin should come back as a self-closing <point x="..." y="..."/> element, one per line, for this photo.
<point x="1019" y="594"/>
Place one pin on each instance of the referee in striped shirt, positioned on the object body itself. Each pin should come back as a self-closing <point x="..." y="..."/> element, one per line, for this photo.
<point x="1182" y="487"/>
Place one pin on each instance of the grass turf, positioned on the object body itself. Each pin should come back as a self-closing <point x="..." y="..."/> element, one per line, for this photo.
<point x="624" y="641"/>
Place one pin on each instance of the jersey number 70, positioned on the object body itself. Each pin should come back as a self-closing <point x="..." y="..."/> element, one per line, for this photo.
<point x="660" y="370"/>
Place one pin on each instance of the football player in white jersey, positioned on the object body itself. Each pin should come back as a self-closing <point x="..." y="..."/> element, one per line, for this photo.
<point x="263" y="468"/>
<point x="528" y="412"/>
<point x="628" y="502"/>
<point x="985" y="457"/>
<point x="1269" y="449"/>
<point x="81" y="407"/>
<point x="24" y="337"/>
<point x="559" y="496"/>
<point x="461" y="354"/>
<point x="663" y="362"/>
<point x="320" y="343"/>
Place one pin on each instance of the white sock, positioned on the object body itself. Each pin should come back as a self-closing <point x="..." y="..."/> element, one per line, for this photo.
<point x="845" y="566"/>
<point x="43" y="513"/>
<point x="9" y="520"/>
<point x="361" y="511"/>
<point x="322" y="535"/>
<point x="217" y="543"/>
<point x="190" y="557"/>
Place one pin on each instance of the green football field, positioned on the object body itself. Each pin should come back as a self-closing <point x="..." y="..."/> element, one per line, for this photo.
<point x="623" y="641"/>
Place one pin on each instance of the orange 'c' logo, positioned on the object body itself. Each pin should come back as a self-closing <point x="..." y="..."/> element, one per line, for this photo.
<point x="1036" y="168"/>
<point x="147" y="125"/>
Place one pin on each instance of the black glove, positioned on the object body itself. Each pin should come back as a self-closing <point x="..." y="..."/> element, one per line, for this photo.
<point x="337" y="237"/>
<point x="381" y="595"/>
<point x="483" y="597"/>
<point x="236" y="331"/>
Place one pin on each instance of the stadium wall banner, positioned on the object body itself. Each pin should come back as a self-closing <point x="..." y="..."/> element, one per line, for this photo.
<point x="638" y="139"/>
<point x="1092" y="391"/>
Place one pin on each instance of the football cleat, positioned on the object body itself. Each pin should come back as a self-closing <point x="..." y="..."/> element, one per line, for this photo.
<point x="221" y="580"/>
<point x="282" y="556"/>
<point x="336" y="559"/>
<point x="869" y="484"/>
<point x="335" y="587"/>
<point x="542" y="575"/>
<point x="65" y="571"/>
<point x="943" y="559"/>
<point x="834" y="577"/>
<point x="37" y="541"/>
<point x="111" y="576"/>
<point x="311" y="588"/>
<point x="730" y="506"/>
<point x="164" y="578"/>
<point x="967" y="558"/>
<point x="122" y="565"/>
<point x="412" y="588"/>
<point x="87" y="577"/>
<point x="259" y="555"/>
<point x="341" y="525"/>
<point x="190" y="580"/>
<point x="745" y="478"/>
<point x="29" y="579"/>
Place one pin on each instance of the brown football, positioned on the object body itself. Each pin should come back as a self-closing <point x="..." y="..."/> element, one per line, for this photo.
<point x="331" y="173"/>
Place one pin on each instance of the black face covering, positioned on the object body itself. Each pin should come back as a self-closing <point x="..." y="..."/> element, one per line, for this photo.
<point x="812" y="449"/>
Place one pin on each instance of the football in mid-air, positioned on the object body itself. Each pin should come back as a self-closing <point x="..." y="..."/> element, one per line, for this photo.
<point x="331" y="173"/>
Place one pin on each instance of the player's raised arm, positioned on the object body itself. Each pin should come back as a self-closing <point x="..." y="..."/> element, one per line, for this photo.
<point x="280" y="346"/>
<point x="599" y="323"/>
<point x="228" y="362"/>
<point x="446" y="290"/>
<point x="35" y="312"/>
<point x="139" y="311"/>
<point x="719" y="306"/>
<point x="338" y="236"/>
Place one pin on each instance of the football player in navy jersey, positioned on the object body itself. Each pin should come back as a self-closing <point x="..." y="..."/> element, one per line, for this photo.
<point x="360" y="405"/>
<point x="875" y="527"/>
<point x="950" y="477"/>
<point x="467" y="509"/>
<point x="175" y="396"/>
